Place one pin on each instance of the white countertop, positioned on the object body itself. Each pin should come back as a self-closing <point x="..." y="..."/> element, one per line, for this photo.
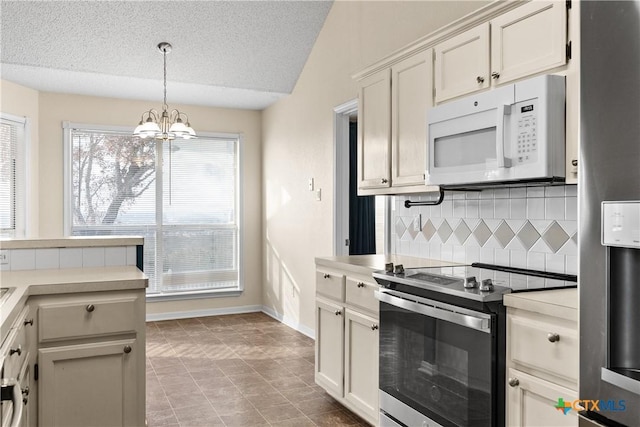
<point x="63" y="281"/>
<point x="71" y="242"/>
<point x="367" y="264"/>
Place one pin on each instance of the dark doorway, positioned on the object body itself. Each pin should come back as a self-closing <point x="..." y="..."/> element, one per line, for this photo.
<point x="362" y="209"/>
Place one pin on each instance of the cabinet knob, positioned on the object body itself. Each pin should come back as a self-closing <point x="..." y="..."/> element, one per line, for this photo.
<point x="90" y="308"/>
<point x="495" y="75"/>
<point x="25" y="400"/>
<point x="17" y="350"/>
<point x="374" y="327"/>
<point x="574" y="162"/>
<point x="553" y="337"/>
<point x="25" y="391"/>
<point x="480" y="79"/>
<point x="28" y="322"/>
<point x="338" y="313"/>
<point x="326" y="275"/>
<point x="360" y="285"/>
<point x="127" y="349"/>
<point x="384" y="180"/>
<point x="514" y="382"/>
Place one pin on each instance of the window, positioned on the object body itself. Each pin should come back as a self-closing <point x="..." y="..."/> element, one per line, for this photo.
<point x="183" y="197"/>
<point x="13" y="142"/>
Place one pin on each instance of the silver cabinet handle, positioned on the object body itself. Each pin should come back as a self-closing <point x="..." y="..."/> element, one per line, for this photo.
<point x="495" y="75"/>
<point x="127" y="349"/>
<point x="553" y="337"/>
<point x="574" y="162"/>
<point x="338" y="312"/>
<point x="480" y="79"/>
<point x="360" y="285"/>
<point x="25" y="391"/>
<point x="374" y="327"/>
<point x="384" y="180"/>
<point x="28" y="322"/>
<point x="326" y="275"/>
<point x="16" y="350"/>
<point x="514" y="382"/>
<point x="90" y="308"/>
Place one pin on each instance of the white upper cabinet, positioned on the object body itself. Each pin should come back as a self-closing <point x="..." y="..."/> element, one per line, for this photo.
<point x="462" y="63"/>
<point x="411" y="89"/>
<point x="522" y="42"/>
<point x="528" y="40"/>
<point x="374" y="129"/>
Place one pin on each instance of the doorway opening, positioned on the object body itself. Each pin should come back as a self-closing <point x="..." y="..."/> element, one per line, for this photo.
<point x="360" y="222"/>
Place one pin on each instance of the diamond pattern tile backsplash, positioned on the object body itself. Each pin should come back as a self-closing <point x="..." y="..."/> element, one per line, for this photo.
<point x="532" y="228"/>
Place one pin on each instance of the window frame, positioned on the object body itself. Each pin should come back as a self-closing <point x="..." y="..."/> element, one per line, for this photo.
<point x="22" y="208"/>
<point x="239" y="205"/>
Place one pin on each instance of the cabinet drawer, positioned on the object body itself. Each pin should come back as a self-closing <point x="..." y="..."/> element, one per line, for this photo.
<point x="330" y="284"/>
<point x="545" y="344"/>
<point x="86" y="317"/>
<point x="360" y="293"/>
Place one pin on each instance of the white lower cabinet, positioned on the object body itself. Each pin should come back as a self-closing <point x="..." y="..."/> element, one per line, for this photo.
<point x="91" y="359"/>
<point x="346" y="364"/>
<point x="89" y="384"/>
<point x="360" y="345"/>
<point x="533" y="402"/>
<point x="542" y="358"/>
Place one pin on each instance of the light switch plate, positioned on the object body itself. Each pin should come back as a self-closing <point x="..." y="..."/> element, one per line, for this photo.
<point x="319" y="194"/>
<point x="310" y="184"/>
<point x="417" y="223"/>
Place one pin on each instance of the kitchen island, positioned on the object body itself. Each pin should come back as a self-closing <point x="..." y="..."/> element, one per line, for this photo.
<point x="78" y="331"/>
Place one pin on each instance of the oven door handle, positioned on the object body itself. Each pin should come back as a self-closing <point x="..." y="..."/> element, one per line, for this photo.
<point x="12" y="392"/>
<point x="466" y="320"/>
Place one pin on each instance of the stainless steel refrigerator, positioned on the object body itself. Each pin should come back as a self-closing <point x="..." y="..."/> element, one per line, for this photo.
<point x="609" y="170"/>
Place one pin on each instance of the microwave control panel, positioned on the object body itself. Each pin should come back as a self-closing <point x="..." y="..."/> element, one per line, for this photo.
<point x="526" y="128"/>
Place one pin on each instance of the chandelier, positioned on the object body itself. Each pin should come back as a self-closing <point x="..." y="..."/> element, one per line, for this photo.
<point x="168" y="125"/>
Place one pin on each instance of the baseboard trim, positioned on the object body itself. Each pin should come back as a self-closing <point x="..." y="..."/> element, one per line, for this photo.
<point x="173" y="315"/>
<point x="289" y="322"/>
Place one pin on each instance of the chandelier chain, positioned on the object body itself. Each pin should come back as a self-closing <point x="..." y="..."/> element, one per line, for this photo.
<point x="164" y="55"/>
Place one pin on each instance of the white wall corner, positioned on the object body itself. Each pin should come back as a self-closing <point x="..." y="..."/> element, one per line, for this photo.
<point x="305" y="330"/>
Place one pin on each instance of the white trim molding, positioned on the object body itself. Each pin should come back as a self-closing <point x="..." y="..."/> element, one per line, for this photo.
<point x="289" y="322"/>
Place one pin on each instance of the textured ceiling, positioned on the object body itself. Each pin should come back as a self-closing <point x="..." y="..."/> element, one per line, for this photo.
<point x="242" y="54"/>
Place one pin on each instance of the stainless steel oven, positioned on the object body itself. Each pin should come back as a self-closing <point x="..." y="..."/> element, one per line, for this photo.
<point x="442" y="344"/>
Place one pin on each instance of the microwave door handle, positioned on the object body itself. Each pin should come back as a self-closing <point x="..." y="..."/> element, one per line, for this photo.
<point x="503" y="111"/>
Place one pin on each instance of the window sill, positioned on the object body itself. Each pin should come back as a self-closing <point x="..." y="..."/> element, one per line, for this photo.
<point x="177" y="296"/>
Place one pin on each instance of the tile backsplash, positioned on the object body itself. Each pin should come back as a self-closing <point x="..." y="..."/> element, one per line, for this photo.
<point x="47" y="258"/>
<point x="533" y="227"/>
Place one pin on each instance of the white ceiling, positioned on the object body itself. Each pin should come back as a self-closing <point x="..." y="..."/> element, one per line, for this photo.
<point x="236" y="54"/>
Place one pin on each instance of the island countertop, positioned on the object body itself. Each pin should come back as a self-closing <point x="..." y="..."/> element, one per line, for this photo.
<point x="27" y="283"/>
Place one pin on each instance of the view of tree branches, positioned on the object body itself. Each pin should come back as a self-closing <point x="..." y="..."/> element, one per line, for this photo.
<point x="110" y="173"/>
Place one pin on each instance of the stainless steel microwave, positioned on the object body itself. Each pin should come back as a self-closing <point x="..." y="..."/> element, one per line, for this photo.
<point x="514" y="133"/>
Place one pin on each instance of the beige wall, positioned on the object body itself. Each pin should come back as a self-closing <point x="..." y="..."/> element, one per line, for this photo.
<point x="49" y="110"/>
<point x="23" y="101"/>
<point x="298" y="139"/>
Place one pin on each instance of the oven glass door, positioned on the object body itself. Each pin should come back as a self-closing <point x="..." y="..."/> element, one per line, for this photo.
<point x="441" y="368"/>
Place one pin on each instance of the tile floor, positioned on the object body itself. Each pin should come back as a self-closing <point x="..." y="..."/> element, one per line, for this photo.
<point x="235" y="370"/>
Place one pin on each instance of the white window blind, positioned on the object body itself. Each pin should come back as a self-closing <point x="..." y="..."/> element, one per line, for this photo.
<point x="182" y="197"/>
<point x="12" y="176"/>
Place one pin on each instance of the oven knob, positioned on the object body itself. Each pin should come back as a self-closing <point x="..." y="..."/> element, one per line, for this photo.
<point x="388" y="267"/>
<point x="398" y="269"/>
<point x="470" y="282"/>
<point x="486" y="286"/>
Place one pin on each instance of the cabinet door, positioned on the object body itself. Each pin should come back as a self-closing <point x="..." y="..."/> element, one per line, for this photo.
<point x="329" y="346"/>
<point x="374" y="131"/>
<point x="532" y="402"/>
<point x="462" y="63"/>
<point x="361" y="364"/>
<point x="411" y="97"/>
<point x="89" y="384"/>
<point x="529" y="39"/>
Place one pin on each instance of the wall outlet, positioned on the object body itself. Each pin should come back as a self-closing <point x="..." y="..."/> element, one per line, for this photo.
<point x="4" y="257"/>
<point x="319" y="194"/>
<point x="417" y="223"/>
